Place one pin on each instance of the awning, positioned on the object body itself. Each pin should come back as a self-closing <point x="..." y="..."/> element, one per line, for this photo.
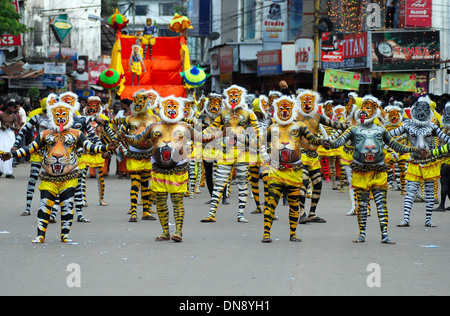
<point x="16" y="71"/>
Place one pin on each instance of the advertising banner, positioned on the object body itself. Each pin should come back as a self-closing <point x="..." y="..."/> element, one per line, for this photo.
<point x="340" y="79"/>
<point x="399" y="82"/>
<point x="275" y="20"/>
<point x="405" y="50"/>
<point x="226" y="59"/>
<point x="8" y="39"/>
<point x="416" y="13"/>
<point x="53" y="81"/>
<point x="332" y="47"/>
<point x="304" y="54"/>
<point x="269" y="62"/>
<point x="421" y="84"/>
<point x="355" y="53"/>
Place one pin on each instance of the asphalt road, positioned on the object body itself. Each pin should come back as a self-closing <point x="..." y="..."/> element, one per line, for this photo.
<point x="111" y="256"/>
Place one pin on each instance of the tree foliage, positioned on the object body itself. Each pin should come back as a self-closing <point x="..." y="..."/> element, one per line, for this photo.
<point x="9" y="19"/>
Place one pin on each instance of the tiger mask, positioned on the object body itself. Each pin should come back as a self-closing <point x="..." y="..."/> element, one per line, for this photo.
<point x="235" y="97"/>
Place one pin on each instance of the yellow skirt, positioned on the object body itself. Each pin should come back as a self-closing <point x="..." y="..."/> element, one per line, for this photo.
<point x="94" y="161"/>
<point x="287" y="177"/>
<point x="170" y="183"/>
<point x="367" y="180"/>
<point x="57" y="187"/>
<point x="136" y="165"/>
<point x="136" y="68"/>
<point x="311" y="163"/>
<point x="346" y="158"/>
<point x="430" y="171"/>
<point x="36" y="157"/>
<point x="328" y="153"/>
<point x="82" y="162"/>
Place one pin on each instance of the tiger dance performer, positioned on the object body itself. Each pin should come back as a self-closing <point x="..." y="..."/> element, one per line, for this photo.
<point x="308" y="101"/>
<point x="445" y="168"/>
<point x="394" y="119"/>
<point x="191" y="117"/>
<point x="170" y="138"/>
<point x="139" y="154"/>
<point x="285" y="174"/>
<point x="351" y="106"/>
<point x="94" y="109"/>
<point x="59" y="176"/>
<point x="83" y="124"/>
<point x="421" y="132"/>
<point x="257" y="166"/>
<point x="369" y="170"/>
<point x="38" y="122"/>
<point x="329" y="158"/>
<point x="213" y="106"/>
<point x="234" y="121"/>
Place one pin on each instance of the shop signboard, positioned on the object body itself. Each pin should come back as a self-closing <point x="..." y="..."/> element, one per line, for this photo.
<point x="421" y="84"/>
<point x="226" y="59"/>
<point x="304" y="55"/>
<point x="354" y="53"/>
<point x="332" y="47"/>
<point x="398" y="82"/>
<point x="340" y="79"/>
<point x="405" y="50"/>
<point x="416" y="13"/>
<point x="53" y="81"/>
<point x="275" y="20"/>
<point x="269" y="62"/>
<point x="66" y="53"/>
<point x="9" y="39"/>
<point x="61" y="27"/>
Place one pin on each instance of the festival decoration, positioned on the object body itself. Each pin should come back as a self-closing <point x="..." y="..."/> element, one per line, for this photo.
<point x="194" y="77"/>
<point x="109" y="79"/>
<point x="117" y="21"/>
<point x="180" y="23"/>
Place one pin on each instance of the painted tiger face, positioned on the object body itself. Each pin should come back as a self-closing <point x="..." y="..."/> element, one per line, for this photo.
<point x="339" y="113"/>
<point x="69" y="98"/>
<point x="393" y="116"/>
<point x="151" y="99"/>
<point x="284" y="110"/>
<point x="51" y="99"/>
<point x="234" y="96"/>
<point x="266" y="105"/>
<point x="60" y="153"/>
<point x="307" y="103"/>
<point x="368" y="110"/>
<point x="328" y="109"/>
<point x="93" y="107"/>
<point x="349" y="105"/>
<point x="214" y="105"/>
<point x="421" y="111"/>
<point x="61" y="117"/>
<point x="201" y="104"/>
<point x="169" y="143"/>
<point x="140" y="102"/>
<point x="171" y="109"/>
<point x="188" y="108"/>
<point x="446" y="115"/>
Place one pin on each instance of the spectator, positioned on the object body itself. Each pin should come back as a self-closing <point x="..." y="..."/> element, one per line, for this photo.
<point x="284" y="88"/>
<point x="121" y="161"/>
<point x="9" y="125"/>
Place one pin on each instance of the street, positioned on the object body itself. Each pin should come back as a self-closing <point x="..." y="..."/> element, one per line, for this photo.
<point x="111" y="256"/>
